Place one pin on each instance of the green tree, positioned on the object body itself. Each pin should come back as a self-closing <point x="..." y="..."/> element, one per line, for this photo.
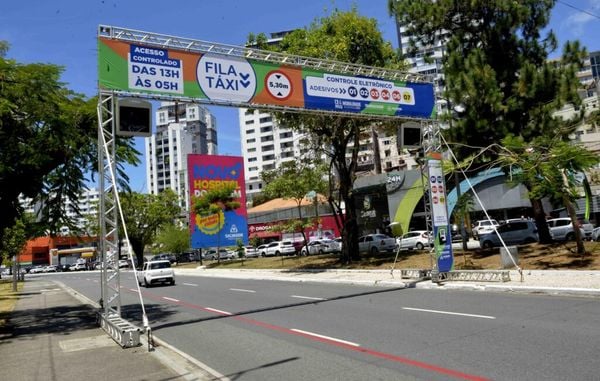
<point x="48" y="142"/>
<point x="295" y="180"/>
<point x="346" y="37"/>
<point x="497" y="72"/>
<point x="173" y="239"/>
<point x="549" y="165"/>
<point x="217" y="201"/>
<point x="145" y="215"/>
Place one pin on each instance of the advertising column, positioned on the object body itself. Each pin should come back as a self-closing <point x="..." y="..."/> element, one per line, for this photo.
<point x="442" y="237"/>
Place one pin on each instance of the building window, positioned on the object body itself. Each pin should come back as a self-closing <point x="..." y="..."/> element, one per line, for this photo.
<point x="250" y="131"/>
<point x="251" y="159"/>
<point x="266" y="119"/>
<point x="266" y="139"/>
<point x="253" y="140"/>
<point x="249" y="121"/>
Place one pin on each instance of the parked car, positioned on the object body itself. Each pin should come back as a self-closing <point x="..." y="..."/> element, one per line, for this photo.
<point x="512" y="233"/>
<point x="561" y="229"/>
<point x="375" y="243"/>
<point x="321" y="246"/>
<point x="212" y="254"/>
<point x="416" y="239"/>
<point x="123" y="264"/>
<point x="64" y="267"/>
<point x="484" y="227"/>
<point x="280" y="248"/>
<point x="251" y="252"/>
<point x="80" y="266"/>
<point x="165" y="257"/>
<point x="50" y="269"/>
<point x="188" y="256"/>
<point x="37" y="269"/>
<point x="262" y="250"/>
<point x="156" y="272"/>
<point x="596" y="234"/>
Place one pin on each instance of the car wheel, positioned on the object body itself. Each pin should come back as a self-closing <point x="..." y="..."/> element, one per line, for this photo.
<point x="570" y="237"/>
<point x="173" y="282"/>
<point x="277" y="253"/>
<point x="419" y="246"/>
<point x="146" y="284"/>
<point x="321" y="251"/>
<point x="487" y="245"/>
<point x="374" y="251"/>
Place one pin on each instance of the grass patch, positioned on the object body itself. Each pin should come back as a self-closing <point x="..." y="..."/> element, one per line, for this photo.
<point x="8" y="299"/>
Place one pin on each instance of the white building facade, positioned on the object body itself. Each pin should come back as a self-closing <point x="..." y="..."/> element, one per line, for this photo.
<point x="181" y="129"/>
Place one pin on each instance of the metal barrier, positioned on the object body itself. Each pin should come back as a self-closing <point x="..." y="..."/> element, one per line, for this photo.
<point x="471" y="275"/>
<point x="123" y="332"/>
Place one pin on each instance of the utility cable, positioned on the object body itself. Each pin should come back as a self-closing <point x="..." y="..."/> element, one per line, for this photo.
<point x="483" y="207"/>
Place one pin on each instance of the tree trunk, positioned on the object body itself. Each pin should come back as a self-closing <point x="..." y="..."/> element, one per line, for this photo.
<point x="540" y="220"/>
<point x="138" y="248"/>
<point x="572" y="214"/>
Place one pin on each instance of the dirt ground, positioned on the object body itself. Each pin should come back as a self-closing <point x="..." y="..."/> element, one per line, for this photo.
<point x="533" y="257"/>
<point x="555" y="256"/>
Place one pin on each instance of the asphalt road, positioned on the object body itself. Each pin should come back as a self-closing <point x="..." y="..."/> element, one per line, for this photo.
<point x="269" y="330"/>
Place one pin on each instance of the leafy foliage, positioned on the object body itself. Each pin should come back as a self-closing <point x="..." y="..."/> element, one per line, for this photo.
<point x="145" y="215"/>
<point x="496" y="66"/>
<point x="48" y="141"/>
<point x="173" y="239"/>
<point x="347" y="37"/>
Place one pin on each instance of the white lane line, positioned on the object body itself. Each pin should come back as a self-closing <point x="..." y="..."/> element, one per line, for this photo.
<point x="133" y="289"/>
<point x="218" y="311"/>
<point x="171" y="299"/>
<point x="325" y="337"/>
<point x="449" y="313"/>
<point x="306" y="297"/>
<point x="242" y="290"/>
<point x="190" y="284"/>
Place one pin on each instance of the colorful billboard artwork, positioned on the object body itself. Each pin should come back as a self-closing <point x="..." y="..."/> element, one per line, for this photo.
<point x="241" y="82"/>
<point x="442" y="236"/>
<point x="225" y="228"/>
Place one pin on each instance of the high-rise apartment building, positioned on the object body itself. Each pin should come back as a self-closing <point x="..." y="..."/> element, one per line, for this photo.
<point x="265" y="146"/>
<point x="86" y="203"/>
<point x="181" y="129"/>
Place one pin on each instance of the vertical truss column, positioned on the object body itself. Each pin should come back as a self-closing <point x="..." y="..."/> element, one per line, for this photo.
<point x="432" y="142"/>
<point x="108" y="213"/>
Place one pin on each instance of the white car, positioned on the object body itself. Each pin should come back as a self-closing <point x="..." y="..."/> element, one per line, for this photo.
<point x="321" y="246"/>
<point x="278" y="248"/>
<point x="251" y="252"/>
<point x="156" y="272"/>
<point x="596" y="234"/>
<point x="561" y="229"/>
<point x="37" y="269"/>
<point x="78" y="266"/>
<point x="376" y="243"/>
<point x="484" y="227"/>
<point x="416" y="239"/>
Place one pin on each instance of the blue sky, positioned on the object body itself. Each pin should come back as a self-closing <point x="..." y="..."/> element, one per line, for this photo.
<point x="64" y="32"/>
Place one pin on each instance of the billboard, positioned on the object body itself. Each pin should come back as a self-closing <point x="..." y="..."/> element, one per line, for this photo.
<point x="442" y="236"/>
<point x="225" y="228"/>
<point x="237" y="81"/>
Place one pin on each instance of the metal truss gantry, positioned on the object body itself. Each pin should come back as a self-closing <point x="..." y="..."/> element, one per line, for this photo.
<point x="123" y="332"/>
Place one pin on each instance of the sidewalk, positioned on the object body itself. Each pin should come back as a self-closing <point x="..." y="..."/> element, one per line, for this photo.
<point x="565" y="282"/>
<point x="53" y="336"/>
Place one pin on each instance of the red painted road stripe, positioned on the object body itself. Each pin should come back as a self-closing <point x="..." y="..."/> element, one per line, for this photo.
<point x="370" y="352"/>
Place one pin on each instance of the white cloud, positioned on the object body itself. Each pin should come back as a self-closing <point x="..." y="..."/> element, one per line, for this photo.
<point x="578" y="20"/>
